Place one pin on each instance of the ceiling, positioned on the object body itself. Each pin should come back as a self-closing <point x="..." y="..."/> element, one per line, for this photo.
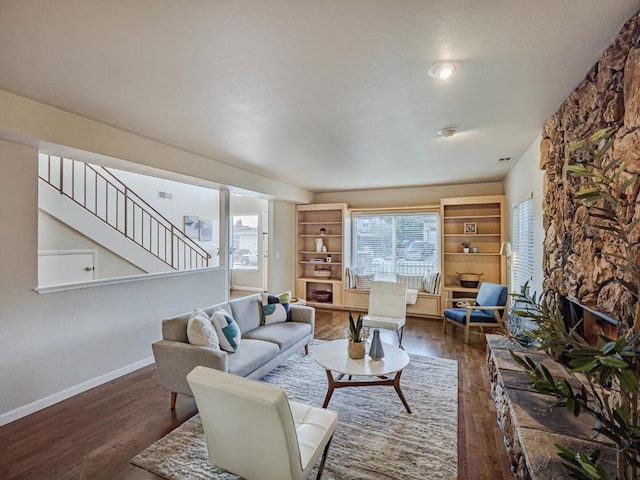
<point x="325" y="95"/>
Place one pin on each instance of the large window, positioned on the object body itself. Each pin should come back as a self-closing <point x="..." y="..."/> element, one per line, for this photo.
<point x="522" y="262"/>
<point x="390" y="244"/>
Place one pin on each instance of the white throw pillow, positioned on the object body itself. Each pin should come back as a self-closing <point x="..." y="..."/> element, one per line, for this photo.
<point x="227" y="330"/>
<point x="200" y="330"/>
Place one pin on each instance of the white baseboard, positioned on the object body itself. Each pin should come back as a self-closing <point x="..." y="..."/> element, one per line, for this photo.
<point x="70" y="392"/>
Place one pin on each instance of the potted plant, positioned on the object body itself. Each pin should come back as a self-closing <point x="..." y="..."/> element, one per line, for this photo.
<point x="357" y="337"/>
<point x="465" y="246"/>
<point x="611" y="369"/>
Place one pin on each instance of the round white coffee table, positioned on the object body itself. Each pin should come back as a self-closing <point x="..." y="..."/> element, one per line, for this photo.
<point x="333" y="357"/>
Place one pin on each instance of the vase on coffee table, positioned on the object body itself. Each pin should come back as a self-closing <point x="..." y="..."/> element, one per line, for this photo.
<point x="376" y="352"/>
<point x="356" y="350"/>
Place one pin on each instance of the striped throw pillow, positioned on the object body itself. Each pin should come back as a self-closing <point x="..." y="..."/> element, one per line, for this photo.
<point x="432" y="282"/>
<point x="411" y="281"/>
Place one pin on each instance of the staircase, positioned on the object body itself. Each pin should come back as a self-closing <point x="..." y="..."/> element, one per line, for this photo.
<point x="101" y="194"/>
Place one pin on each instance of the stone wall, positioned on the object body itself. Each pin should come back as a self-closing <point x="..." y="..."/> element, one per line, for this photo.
<point x="609" y="96"/>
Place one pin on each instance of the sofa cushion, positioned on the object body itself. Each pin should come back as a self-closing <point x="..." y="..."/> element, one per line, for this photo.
<point x="460" y="315"/>
<point x="282" y="334"/>
<point x="224" y="306"/>
<point x="275" y="308"/>
<point x="247" y="312"/>
<point x="252" y="355"/>
<point x="227" y="330"/>
<point x="175" y="329"/>
<point x="200" y="330"/>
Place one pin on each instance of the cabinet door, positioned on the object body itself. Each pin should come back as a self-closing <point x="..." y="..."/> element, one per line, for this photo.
<point x="58" y="268"/>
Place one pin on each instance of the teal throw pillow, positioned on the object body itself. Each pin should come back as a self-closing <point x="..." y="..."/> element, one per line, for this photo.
<point x="227" y="329"/>
<point x="276" y="308"/>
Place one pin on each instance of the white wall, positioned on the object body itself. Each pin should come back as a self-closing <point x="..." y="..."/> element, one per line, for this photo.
<point x="56" y="235"/>
<point x="526" y="179"/>
<point x="28" y="121"/>
<point x="57" y="344"/>
<point x="282" y="257"/>
<point x="407" y="196"/>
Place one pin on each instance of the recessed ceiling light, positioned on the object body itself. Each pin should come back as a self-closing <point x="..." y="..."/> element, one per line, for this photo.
<point x="447" y="131"/>
<point x="444" y="70"/>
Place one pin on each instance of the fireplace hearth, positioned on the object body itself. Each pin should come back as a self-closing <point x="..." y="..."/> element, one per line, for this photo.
<point x="589" y="322"/>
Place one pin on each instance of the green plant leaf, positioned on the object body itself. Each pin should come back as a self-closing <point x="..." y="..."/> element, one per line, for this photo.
<point x="629" y="380"/>
<point x="587" y="367"/>
<point x="614" y="361"/>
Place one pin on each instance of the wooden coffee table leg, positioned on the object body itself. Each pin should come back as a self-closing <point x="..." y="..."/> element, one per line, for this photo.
<point x="396" y="385"/>
<point x="330" y="388"/>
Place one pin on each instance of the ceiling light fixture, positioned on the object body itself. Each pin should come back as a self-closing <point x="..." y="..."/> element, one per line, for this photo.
<point x="444" y="70"/>
<point x="447" y="131"/>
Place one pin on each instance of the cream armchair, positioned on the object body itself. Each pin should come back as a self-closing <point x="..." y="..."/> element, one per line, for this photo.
<point x="387" y="307"/>
<point x="253" y="430"/>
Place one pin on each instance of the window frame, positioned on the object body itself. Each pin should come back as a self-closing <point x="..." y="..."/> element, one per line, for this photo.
<point x="414" y="268"/>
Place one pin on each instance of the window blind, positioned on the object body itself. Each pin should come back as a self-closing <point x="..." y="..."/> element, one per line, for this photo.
<point x="398" y="243"/>
<point x="522" y="260"/>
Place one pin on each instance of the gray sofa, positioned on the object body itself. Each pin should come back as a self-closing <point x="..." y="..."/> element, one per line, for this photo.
<point x="262" y="348"/>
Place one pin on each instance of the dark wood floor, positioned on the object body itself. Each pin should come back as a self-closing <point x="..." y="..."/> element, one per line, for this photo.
<point x="94" y="435"/>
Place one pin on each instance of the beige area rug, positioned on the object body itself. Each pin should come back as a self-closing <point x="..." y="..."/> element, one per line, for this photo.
<point x="375" y="439"/>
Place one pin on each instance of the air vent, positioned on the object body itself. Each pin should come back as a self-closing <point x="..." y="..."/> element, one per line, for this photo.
<point x="504" y="159"/>
<point x="165" y="195"/>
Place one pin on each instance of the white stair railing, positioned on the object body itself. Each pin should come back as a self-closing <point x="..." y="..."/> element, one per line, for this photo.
<point x="102" y="194"/>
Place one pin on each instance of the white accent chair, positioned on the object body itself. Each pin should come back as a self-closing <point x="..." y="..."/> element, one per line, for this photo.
<point x="253" y="431"/>
<point x="387" y="307"/>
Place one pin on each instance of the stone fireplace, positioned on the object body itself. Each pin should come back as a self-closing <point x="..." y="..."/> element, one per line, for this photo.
<point x="575" y="261"/>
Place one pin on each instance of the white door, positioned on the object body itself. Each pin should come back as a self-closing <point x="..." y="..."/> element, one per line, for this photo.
<point x="59" y="268"/>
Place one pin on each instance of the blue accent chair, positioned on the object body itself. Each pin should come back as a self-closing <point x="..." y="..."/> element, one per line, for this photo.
<point x="486" y="310"/>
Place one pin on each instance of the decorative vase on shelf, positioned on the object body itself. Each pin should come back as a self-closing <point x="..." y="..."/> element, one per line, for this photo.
<point x="356" y="350"/>
<point x="319" y="245"/>
<point x="376" y="351"/>
<point x="474" y="249"/>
